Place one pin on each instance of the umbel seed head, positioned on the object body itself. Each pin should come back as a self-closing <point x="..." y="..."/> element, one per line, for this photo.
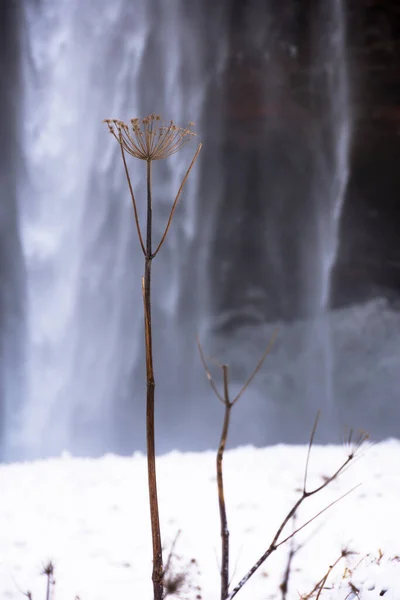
<point x="148" y="139"/>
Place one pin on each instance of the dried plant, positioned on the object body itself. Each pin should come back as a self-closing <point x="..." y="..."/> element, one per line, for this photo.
<point x="321" y="584"/>
<point x="147" y="139"/>
<point x="178" y="576"/>
<point x="277" y="541"/>
<point x="228" y="404"/>
<point x="293" y="550"/>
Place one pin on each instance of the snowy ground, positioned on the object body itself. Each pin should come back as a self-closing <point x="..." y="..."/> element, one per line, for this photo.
<point x="91" y="518"/>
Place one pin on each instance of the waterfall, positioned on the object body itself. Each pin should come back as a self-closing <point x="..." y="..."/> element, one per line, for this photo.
<point x="332" y="139"/>
<point x="12" y="288"/>
<point x="286" y="188"/>
<point x="82" y="260"/>
<point x="255" y="236"/>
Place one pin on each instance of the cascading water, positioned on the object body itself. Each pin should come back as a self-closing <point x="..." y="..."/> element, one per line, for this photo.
<point x="330" y="86"/>
<point x="84" y="368"/>
<point x="334" y="163"/>
<point x="286" y="187"/>
<point x="82" y="258"/>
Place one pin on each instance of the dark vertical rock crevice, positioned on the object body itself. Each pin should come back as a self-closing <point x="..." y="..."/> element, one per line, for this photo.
<point x="267" y="161"/>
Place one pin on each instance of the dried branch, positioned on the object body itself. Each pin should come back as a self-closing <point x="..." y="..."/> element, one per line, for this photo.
<point x="221" y="495"/>
<point x="48" y="571"/>
<point x="133" y="201"/>
<point x="228" y="404"/>
<point x="171" y="553"/>
<point x="310" y="443"/>
<point x="176" y="201"/>
<point x="258" y="366"/>
<point x="208" y="373"/>
<point x="276" y="543"/>
<point x="319" y="586"/>
<point x="284" y="586"/>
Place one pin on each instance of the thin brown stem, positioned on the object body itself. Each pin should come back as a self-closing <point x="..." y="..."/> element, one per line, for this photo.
<point x="317" y="589"/>
<point x="157" y="575"/>
<point x="208" y="373"/>
<point x="133" y="201"/>
<point x="258" y="366"/>
<point x="221" y="495"/>
<point x="318" y="514"/>
<point x="284" y="586"/>
<point x="310" y="443"/>
<point x="220" y="455"/>
<point x="48" y="571"/>
<point x="171" y="214"/>
<point x="171" y="553"/>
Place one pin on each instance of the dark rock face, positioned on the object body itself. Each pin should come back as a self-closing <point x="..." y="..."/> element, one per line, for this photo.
<point x="369" y="259"/>
<point x="273" y="98"/>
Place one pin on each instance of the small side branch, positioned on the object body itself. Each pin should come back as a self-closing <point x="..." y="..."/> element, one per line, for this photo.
<point x="133" y="201"/>
<point x="171" y="214"/>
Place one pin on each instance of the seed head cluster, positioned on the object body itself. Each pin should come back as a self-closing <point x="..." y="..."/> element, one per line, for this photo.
<point x="148" y="139"/>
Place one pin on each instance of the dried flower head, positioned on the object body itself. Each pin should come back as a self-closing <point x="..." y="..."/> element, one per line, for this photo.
<point x="148" y="139"/>
<point x="353" y="442"/>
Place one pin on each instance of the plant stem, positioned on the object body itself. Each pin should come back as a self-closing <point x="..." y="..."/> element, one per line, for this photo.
<point x="157" y="576"/>
<point x="221" y="495"/>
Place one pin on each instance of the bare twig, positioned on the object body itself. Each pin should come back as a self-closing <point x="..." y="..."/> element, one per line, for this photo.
<point x="284" y="586"/>
<point x="48" y="571"/>
<point x="176" y="201"/>
<point x="221" y="495"/>
<point x="208" y="374"/>
<point x="133" y="201"/>
<point x="258" y="366"/>
<point x="310" y="443"/>
<point x="276" y="543"/>
<point x="319" y="586"/>
<point x="178" y="579"/>
<point x="171" y="552"/>
<point x="228" y="404"/>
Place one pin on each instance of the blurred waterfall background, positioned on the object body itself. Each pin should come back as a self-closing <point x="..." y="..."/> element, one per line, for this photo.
<point x="254" y="245"/>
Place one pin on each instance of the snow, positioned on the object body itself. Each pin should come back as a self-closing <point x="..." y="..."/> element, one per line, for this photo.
<point x="90" y="517"/>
